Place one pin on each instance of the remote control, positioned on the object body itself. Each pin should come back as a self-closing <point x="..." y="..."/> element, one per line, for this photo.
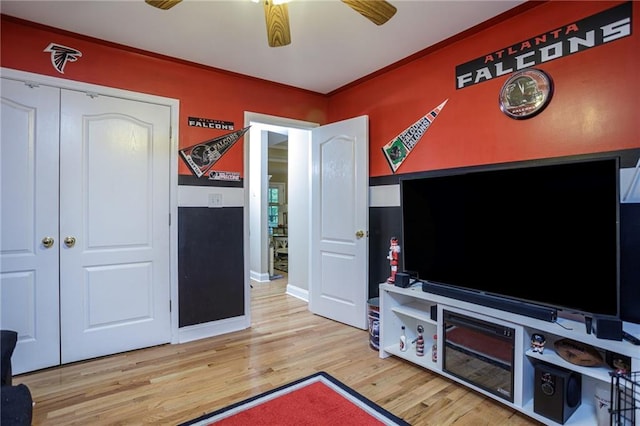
<point x="630" y="338"/>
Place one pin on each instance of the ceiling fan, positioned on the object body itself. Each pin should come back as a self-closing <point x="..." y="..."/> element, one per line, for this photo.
<point x="277" y="15"/>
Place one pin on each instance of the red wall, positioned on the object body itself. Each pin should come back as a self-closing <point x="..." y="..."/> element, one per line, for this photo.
<point x="593" y="109"/>
<point x="203" y="92"/>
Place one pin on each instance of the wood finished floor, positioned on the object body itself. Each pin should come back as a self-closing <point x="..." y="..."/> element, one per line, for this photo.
<point x="170" y="384"/>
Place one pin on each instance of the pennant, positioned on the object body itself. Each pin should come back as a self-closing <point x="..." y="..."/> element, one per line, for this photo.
<point x="397" y="150"/>
<point x="200" y="158"/>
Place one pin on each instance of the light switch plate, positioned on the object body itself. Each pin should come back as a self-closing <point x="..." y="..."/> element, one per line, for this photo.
<point x="215" y="200"/>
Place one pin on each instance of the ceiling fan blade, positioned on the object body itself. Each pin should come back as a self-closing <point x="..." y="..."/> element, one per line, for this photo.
<point x="163" y="4"/>
<point x="377" y="11"/>
<point x="277" y="17"/>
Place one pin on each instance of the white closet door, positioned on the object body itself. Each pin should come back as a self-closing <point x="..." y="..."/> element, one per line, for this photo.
<point x="114" y="204"/>
<point x="29" y="302"/>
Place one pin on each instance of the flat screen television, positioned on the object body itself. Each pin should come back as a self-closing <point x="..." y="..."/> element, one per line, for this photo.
<point x="544" y="232"/>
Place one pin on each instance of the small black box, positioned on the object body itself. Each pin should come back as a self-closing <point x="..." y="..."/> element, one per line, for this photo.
<point x="402" y="280"/>
<point x="607" y="328"/>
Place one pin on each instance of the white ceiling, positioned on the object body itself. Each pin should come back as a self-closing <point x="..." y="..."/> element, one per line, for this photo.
<point x="332" y="45"/>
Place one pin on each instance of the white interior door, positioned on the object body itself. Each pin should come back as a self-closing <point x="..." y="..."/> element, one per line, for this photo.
<point x="114" y="222"/>
<point x="339" y="287"/>
<point x="29" y="200"/>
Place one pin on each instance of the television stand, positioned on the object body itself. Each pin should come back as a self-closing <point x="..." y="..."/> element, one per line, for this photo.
<point x="412" y="307"/>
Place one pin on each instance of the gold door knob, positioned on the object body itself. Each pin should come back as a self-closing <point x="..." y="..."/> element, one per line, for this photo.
<point x="70" y="241"/>
<point x="47" y="242"/>
<point x="360" y="233"/>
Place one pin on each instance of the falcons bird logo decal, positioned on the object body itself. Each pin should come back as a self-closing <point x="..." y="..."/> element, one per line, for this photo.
<point x="60" y="55"/>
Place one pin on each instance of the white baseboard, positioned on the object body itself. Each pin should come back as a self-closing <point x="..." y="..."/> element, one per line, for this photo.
<point x="257" y="276"/>
<point x="298" y="292"/>
<point x="213" y="328"/>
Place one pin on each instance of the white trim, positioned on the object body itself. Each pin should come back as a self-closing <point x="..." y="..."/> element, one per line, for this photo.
<point x="198" y="196"/>
<point x="254" y="244"/>
<point x="384" y="196"/>
<point x="297" y="292"/>
<point x="258" y="277"/>
<point x="213" y="328"/>
<point x="61" y="83"/>
<point x="174" y="105"/>
<point x="274" y="123"/>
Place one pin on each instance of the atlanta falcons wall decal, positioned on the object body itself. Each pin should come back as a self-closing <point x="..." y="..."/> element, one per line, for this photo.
<point x="60" y="55"/>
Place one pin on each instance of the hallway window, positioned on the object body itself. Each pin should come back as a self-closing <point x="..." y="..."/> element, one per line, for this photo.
<point x="276" y="200"/>
<point x="273" y="218"/>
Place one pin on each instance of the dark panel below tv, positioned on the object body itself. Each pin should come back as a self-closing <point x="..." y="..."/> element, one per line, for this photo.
<point x="514" y="306"/>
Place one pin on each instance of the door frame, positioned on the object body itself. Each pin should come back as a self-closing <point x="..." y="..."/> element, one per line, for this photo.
<point x="301" y="175"/>
<point x="174" y="105"/>
<point x="256" y="255"/>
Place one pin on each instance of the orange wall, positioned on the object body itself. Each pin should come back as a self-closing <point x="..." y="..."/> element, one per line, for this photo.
<point x="594" y="107"/>
<point x="203" y="92"/>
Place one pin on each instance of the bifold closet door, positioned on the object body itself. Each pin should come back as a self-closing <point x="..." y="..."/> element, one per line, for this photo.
<point x="85" y="244"/>
<point x="29" y="243"/>
<point x="114" y="225"/>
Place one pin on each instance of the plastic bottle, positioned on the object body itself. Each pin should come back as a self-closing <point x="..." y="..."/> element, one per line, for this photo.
<point x="434" y="349"/>
<point x="420" y="342"/>
<point x="403" y="340"/>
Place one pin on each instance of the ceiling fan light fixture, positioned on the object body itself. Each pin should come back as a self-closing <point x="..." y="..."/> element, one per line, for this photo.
<point x="276" y="14"/>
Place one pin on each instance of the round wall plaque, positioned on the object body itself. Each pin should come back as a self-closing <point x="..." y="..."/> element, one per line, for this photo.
<point x="525" y="93"/>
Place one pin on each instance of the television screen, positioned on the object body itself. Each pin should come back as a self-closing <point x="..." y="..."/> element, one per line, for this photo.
<point x="543" y="232"/>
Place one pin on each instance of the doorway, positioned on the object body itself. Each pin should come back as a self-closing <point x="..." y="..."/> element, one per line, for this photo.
<point x="277" y="208"/>
<point x="296" y="133"/>
<point x="327" y="213"/>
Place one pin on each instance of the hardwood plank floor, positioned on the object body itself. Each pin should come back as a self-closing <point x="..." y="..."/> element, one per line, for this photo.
<point x="171" y="384"/>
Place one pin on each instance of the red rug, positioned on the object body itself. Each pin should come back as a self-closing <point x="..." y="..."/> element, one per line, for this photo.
<point x="319" y="399"/>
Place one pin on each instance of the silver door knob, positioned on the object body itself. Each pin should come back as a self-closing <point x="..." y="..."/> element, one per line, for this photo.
<point x="70" y="241"/>
<point x="47" y="242"/>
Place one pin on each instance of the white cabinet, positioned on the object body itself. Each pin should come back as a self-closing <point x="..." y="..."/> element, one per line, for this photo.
<point x="410" y="313"/>
<point x="411" y="307"/>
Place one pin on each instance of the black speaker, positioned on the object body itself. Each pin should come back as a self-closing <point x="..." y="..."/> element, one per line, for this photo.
<point x="557" y="393"/>
<point x="434" y="312"/>
<point x="402" y="280"/>
<point x="607" y="328"/>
